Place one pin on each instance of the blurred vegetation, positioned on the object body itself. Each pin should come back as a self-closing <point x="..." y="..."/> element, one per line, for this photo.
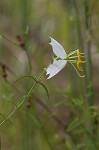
<point x="56" y="114"/>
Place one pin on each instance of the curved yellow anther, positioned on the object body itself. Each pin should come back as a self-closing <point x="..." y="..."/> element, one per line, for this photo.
<point x="79" y="61"/>
<point x="78" y="65"/>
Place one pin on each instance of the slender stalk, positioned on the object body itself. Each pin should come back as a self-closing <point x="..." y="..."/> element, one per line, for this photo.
<point x="26" y="9"/>
<point x="89" y="84"/>
<point x="90" y="93"/>
<point x="78" y="25"/>
<point x="23" y="99"/>
<point x="25" y="4"/>
<point x="13" y="42"/>
<point x="80" y="43"/>
<point x="87" y="87"/>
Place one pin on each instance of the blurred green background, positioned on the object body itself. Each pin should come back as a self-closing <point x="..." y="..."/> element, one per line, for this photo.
<point x="57" y="122"/>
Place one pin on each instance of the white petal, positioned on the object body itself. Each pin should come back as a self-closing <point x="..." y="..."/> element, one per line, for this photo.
<point x="54" y="68"/>
<point x="57" y="49"/>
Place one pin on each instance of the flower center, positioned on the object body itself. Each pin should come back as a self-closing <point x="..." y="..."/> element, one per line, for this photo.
<point x="78" y="59"/>
<point x="80" y="55"/>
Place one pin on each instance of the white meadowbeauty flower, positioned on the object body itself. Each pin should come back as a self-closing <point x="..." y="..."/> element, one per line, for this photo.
<point x="61" y="59"/>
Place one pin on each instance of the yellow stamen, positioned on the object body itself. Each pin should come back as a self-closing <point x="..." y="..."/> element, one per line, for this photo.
<point x="78" y="65"/>
<point x="72" y="59"/>
<point x="79" y="61"/>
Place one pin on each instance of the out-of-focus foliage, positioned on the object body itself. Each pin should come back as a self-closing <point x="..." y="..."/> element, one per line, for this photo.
<point x="67" y="119"/>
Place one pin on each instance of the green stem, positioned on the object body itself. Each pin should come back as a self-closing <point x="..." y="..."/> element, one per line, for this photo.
<point x="78" y="25"/>
<point x="23" y="99"/>
<point x="89" y="84"/>
<point x="90" y="93"/>
<point x="26" y="9"/>
<point x="6" y="38"/>
<point x="25" y="4"/>
<point x="80" y="43"/>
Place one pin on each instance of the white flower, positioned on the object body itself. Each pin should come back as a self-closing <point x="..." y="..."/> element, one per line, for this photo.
<point x="61" y="59"/>
<point x="57" y="65"/>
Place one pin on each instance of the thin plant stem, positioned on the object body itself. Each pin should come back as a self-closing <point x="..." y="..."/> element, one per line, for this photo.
<point x="78" y="25"/>
<point x="6" y="38"/>
<point x="80" y="43"/>
<point x="88" y="68"/>
<point x="90" y="93"/>
<point x="23" y="99"/>
<point x="25" y="5"/>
